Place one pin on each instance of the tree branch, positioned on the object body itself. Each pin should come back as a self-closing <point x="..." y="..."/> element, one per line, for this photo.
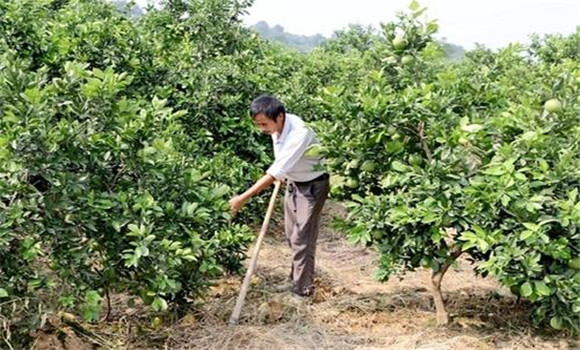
<point x="117" y="175"/>
<point x="421" y="134"/>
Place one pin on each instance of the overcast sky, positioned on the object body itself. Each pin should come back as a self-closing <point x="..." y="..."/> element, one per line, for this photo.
<point x="494" y="23"/>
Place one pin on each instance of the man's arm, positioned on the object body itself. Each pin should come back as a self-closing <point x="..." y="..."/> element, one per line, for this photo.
<point x="238" y="201"/>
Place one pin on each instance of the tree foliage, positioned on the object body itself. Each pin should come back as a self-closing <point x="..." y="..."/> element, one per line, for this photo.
<point x="121" y="139"/>
<point x="438" y="160"/>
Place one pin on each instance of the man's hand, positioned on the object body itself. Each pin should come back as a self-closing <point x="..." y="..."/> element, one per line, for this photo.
<point x="237" y="203"/>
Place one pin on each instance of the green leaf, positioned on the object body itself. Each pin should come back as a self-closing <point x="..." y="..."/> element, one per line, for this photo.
<point x="3" y="293"/>
<point x="483" y="245"/>
<point x="468" y="236"/>
<point x="134" y="230"/>
<point x="190" y="257"/>
<point x="505" y="200"/>
<point x="419" y="13"/>
<point x="531" y="226"/>
<point x="495" y="170"/>
<point x="526" y="289"/>
<point x="542" y="288"/>
<point x="141" y="251"/>
<point x="92" y="306"/>
<point x="398" y="166"/>
<point x="432" y="27"/>
<point x="472" y="128"/>
<point x="526" y="234"/>
<point x="220" y="191"/>
<point x="131" y="259"/>
<point x="314" y="150"/>
<point x="530" y="135"/>
<point x="159" y="304"/>
<point x="573" y="194"/>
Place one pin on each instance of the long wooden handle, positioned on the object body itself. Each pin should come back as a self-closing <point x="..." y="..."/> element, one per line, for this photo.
<point x="242" y="296"/>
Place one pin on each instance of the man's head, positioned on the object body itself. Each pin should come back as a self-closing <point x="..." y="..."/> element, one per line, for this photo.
<point x="268" y="114"/>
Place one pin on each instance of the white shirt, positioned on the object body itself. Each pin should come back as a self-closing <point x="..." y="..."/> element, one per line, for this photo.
<point x="289" y="146"/>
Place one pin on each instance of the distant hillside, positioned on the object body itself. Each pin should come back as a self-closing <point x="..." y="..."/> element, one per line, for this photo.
<point x="306" y="43"/>
<point x="135" y="10"/>
<point x="454" y="52"/>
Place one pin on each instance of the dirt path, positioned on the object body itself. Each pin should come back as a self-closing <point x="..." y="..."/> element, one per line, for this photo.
<point x="353" y="311"/>
<point x="349" y="311"/>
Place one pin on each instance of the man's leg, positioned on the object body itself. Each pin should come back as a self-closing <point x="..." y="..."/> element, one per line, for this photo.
<point x="290" y="216"/>
<point x="309" y="201"/>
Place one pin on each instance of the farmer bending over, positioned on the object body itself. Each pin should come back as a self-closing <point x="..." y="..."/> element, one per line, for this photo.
<point x="306" y="190"/>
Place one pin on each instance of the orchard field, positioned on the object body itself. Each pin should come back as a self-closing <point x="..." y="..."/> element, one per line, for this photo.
<point x="122" y="139"/>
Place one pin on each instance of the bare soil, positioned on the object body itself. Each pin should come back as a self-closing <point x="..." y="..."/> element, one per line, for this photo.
<point x="350" y="310"/>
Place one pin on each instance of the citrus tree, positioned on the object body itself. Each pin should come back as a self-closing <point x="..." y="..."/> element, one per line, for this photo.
<point x="439" y="159"/>
<point x="111" y="179"/>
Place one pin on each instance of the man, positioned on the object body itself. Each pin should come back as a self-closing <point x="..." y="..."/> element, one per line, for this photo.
<point x="306" y="190"/>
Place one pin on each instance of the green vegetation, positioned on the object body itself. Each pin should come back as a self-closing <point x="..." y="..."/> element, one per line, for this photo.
<point x="122" y="138"/>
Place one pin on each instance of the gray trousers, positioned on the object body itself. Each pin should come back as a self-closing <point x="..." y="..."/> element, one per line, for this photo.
<point x="303" y="204"/>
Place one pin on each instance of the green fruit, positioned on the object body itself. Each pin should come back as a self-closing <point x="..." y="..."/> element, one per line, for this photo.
<point x="553" y="106"/>
<point x="336" y="180"/>
<point x="557" y="323"/>
<point x="368" y="165"/>
<point x="377" y="235"/>
<point x="156" y="322"/>
<point x="415" y="159"/>
<point x="576" y="278"/>
<point x="407" y="59"/>
<point x="574" y="263"/>
<point x="399" y="42"/>
<point x="352" y="183"/>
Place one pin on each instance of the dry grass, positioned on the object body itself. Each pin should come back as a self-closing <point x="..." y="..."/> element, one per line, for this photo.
<point x="350" y="310"/>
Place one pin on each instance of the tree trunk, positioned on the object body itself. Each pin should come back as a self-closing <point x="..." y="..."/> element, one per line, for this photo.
<point x="436" y="277"/>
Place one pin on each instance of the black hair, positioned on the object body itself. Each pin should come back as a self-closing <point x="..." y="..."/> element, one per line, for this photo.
<point x="269" y="106"/>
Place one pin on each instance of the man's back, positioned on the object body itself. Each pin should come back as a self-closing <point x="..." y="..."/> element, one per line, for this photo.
<point x="289" y="147"/>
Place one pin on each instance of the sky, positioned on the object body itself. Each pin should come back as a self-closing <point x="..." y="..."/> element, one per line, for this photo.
<point x="493" y="23"/>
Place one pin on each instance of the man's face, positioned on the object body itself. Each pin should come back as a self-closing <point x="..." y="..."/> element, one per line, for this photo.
<point x="267" y="125"/>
